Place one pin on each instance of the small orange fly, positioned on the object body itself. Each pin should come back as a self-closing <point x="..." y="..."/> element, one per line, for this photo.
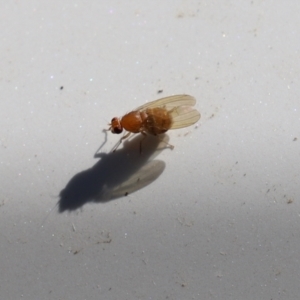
<point x="157" y="117"/>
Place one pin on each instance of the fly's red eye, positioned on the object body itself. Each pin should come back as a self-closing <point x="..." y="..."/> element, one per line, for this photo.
<point x="116" y="129"/>
<point x="116" y="126"/>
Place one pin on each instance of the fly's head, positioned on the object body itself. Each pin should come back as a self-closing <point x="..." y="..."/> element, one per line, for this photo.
<point x="115" y="126"/>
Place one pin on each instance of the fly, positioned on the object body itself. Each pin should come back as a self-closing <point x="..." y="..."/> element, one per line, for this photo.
<point x="157" y="117"/>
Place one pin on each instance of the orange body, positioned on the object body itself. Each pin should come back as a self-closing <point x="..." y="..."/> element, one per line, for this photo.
<point x="153" y="121"/>
<point x="157" y="117"/>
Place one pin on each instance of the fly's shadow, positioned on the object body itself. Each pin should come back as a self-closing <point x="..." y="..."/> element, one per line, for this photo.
<point x="116" y="174"/>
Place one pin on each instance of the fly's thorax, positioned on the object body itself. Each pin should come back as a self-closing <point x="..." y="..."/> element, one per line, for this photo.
<point x="132" y="122"/>
<point x="158" y="120"/>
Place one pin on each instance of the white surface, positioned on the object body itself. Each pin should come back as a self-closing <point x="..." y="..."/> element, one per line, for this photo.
<point x="222" y="220"/>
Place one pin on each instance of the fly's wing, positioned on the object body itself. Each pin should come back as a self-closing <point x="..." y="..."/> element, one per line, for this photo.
<point x="170" y="102"/>
<point x="184" y="116"/>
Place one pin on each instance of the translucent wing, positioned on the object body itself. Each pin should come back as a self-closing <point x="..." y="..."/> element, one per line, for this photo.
<point x="184" y="116"/>
<point x="170" y="102"/>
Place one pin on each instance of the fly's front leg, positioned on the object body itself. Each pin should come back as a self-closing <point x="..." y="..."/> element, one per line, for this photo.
<point x="97" y="152"/>
<point x="120" y="141"/>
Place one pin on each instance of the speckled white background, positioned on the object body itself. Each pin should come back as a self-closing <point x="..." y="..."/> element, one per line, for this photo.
<point x="222" y="220"/>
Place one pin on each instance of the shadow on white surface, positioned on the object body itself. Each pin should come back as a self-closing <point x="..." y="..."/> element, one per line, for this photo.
<point x="116" y="174"/>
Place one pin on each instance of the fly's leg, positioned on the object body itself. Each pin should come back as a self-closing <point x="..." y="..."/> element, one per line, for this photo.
<point x="97" y="152"/>
<point x="169" y="145"/>
<point x="120" y="141"/>
<point x="157" y="136"/>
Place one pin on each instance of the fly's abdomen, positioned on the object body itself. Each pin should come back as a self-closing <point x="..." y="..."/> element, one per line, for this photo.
<point x="158" y="121"/>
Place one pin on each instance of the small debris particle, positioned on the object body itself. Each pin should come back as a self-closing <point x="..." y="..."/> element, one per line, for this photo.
<point x="106" y="238"/>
